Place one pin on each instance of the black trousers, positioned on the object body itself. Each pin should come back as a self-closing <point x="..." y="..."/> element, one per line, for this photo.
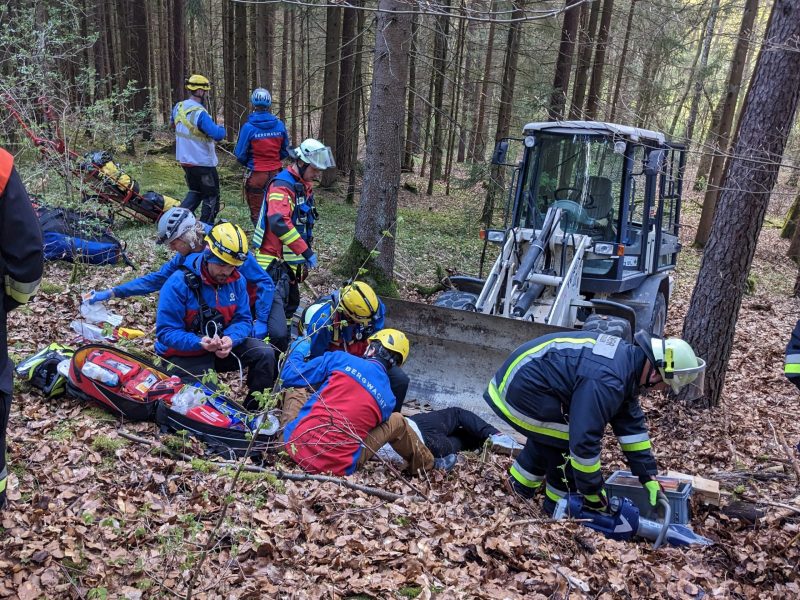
<point x="398" y="381"/>
<point x="256" y="357"/>
<point x="203" y="184"/>
<point x="552" y="463"/>
<point x="452" y="430"/>
<point x="5" y="410"/>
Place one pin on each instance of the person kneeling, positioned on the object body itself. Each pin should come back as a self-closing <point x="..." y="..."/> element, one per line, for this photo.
<point x="203" y="320"/>
<point x="338" y="427"/>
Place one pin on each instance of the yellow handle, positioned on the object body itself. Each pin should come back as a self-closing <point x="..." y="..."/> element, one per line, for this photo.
<point x="129" y="333"/>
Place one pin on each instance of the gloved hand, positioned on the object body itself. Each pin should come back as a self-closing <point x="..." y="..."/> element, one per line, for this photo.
<point x="100" y="296"/>
<point x="596" y="502"/>
<point x="302" y="345"/>
<point x="259" y="330"/>
<point x="312" y="261"/>
<point x="653" y="489"/>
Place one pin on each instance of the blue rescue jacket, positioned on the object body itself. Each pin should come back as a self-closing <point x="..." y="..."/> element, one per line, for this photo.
<point x="263" y="142"/>
<point x="178" y="306"/>
<point x="327" y="329"/>
<point x="791" y="362"/>
<point x="562" y="389"/>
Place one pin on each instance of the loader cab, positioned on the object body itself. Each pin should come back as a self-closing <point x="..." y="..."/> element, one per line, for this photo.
<point x="619" y="185"/>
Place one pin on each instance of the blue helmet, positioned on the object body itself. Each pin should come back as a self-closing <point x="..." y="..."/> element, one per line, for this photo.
<point x="261" y="97"/>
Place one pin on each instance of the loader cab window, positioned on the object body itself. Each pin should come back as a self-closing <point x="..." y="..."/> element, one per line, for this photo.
<point x="635" y="238"/>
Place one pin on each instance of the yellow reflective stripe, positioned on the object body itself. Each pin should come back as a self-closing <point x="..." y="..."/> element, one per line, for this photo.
<point x="524" y="477"/>
<point x="554" y="494"/>
<point x="532" y="353"/>
<point x="584" y="465"/>
<point x="636" y="446"/>
<point x="595" y="497"/>
<point x="182" y="117"/>
<point x="21" y="291"/>
<point x="265" y="260"/>
<point x="527" y="423"/>
<point x="290" y="236"/>
<point x="791" y="369"/>
<point x="3" y="480"/>
<point x="275" y="197"/>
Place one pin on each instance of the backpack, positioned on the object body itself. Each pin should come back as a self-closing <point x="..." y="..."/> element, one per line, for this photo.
<point x="78" y="237"/>
<point x="41" y="369"/>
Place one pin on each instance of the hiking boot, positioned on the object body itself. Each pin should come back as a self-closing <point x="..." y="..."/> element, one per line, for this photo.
<point x="446" y="463"/>
<point x="504" y="444"/>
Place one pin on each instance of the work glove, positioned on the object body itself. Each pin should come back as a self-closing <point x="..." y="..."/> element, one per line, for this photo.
<point x="100" y="296"/>
<point x="302" y="345"/>
<point x="596" y="502"/>
<point x="259" y="330"/>
<point x="653" y="490"/>
<point x="312" y="261"/>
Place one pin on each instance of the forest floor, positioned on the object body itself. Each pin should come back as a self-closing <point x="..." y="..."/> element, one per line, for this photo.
<point x="93" y="515"/>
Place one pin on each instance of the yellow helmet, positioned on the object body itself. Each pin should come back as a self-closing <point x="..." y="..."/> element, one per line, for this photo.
<point x="359" y="301"/>
<point x="228" y="243"/>
<point x="394" y="341"/>
<point x="197" y="82"/>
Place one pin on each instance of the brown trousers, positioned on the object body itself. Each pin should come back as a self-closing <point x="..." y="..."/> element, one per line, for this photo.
<point x="254" y="188"/>
<point x="394" y="431"/>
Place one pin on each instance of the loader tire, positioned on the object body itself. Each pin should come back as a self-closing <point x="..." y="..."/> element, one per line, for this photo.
<point x="615" y="326"/>
<point x="456" y="299"/>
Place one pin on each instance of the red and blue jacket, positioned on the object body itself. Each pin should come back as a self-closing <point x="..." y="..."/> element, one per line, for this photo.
<point x="286" y="222"/>
<point x="328" y="328"/>
<point x="178" y="307"/>
<point x="353" y="398"/>
<point x="263" y="142"/>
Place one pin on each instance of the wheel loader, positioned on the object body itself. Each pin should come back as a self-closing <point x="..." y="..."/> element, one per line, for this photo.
<point x="589" y="240"/>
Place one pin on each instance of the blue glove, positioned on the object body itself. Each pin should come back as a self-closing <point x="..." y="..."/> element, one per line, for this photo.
<point x="101" y="296"/>
<point x="302" y="345"/>
<point x="312" y="261"/>
<point x="259" y="330"/>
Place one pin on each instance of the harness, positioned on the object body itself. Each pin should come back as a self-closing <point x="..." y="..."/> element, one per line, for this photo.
<point x="303" y="210"/>
<point x="207" y="315"/>
<point x="182" y="117"/>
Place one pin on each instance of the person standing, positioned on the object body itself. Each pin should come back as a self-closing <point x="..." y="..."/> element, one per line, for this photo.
<point x="195" y="134"/>
<point x="284" y="231"/>
<point x="21" y="266"/>
<point x="262" y="145"/>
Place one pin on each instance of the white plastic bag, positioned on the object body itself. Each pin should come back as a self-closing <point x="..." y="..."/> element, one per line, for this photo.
<point x="98" y="313"/>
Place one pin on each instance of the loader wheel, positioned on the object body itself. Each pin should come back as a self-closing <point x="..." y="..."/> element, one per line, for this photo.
<point x="658" y="321"/>
<point x="615" y="326"/>
<point x="456" y="299"/>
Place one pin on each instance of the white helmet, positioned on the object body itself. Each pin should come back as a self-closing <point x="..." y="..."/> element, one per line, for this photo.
<point x="174" y="223"/>
<point x="315" y="153"/>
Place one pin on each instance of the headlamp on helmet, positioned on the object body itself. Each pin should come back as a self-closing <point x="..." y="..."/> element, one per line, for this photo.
<point x="359" y="301"/>
<point x="676" y="362"/>
<point x="228" y="243"/>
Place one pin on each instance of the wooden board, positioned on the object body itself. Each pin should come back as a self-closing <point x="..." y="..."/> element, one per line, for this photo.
<point x="705" y="489"/>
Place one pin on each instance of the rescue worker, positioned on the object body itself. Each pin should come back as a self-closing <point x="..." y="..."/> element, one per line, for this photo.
<point x="21" y="266"/>
<point x="203" y="322"/>
<point x="562" y="389"/>
<point x="195" y="134"/>
<point x="183" y="234"/>
<point x="284" y="231"/>
<point x="345" y="320"/>
<point x="262" y="145"/>
<point x="791" y="366"/>
<point x="338" y="427"/>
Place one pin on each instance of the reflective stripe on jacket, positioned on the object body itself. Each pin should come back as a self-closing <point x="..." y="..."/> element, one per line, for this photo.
<point x="791" y="362"/>
<point x="195" y="133"/>
<point x="328" y="330"/>
<point x="562" y="390"/>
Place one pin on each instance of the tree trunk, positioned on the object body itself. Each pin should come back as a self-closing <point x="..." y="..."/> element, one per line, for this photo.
<point x="701" y="71"/>
<point x="622" y="58"/>
<point x="241" y="79"/>
<point x="439" y="64"/>
<point x="789" y="229"/>
<point x="408" y="152"/>
<point x="455" y="101"/>
<point x="265" y="31"/>
<point x="477" y="150"/>
<point x="355" y="105"/>
<point x="287" y="15"/>
<point x="377" y="212"/>
<point x="504" y="112"/>
<point x="645" y="91"/>
<point x="566" y="48"/>
<point x="722" y="136"/>
<point x="766" y="120"/>
<point x="229" y="65"/>
<point x="596" y="83"/>
<point x="139" y="60"/>
<point x="295" y="103"/>
<point x="330" y="86"/>
<point x="346" y="79"/>
<point x="178" y="66"/>
<point x="585" y="47"/>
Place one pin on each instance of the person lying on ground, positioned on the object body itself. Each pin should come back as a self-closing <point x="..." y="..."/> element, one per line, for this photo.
<point x="203" y="322"/>
<point x="340" y="425"/>
<point x="452" y="430"/>
<point x="344" y="320"/>
<point x="185" y="235"/>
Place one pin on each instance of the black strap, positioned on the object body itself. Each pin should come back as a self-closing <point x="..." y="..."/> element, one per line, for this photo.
<point x="194" y="283"/>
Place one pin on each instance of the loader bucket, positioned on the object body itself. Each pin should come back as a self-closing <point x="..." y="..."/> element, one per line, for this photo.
<point x="454" y="353"/>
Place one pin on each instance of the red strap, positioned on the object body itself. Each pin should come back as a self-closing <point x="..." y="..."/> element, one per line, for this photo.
<point x="6" y="164"/>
